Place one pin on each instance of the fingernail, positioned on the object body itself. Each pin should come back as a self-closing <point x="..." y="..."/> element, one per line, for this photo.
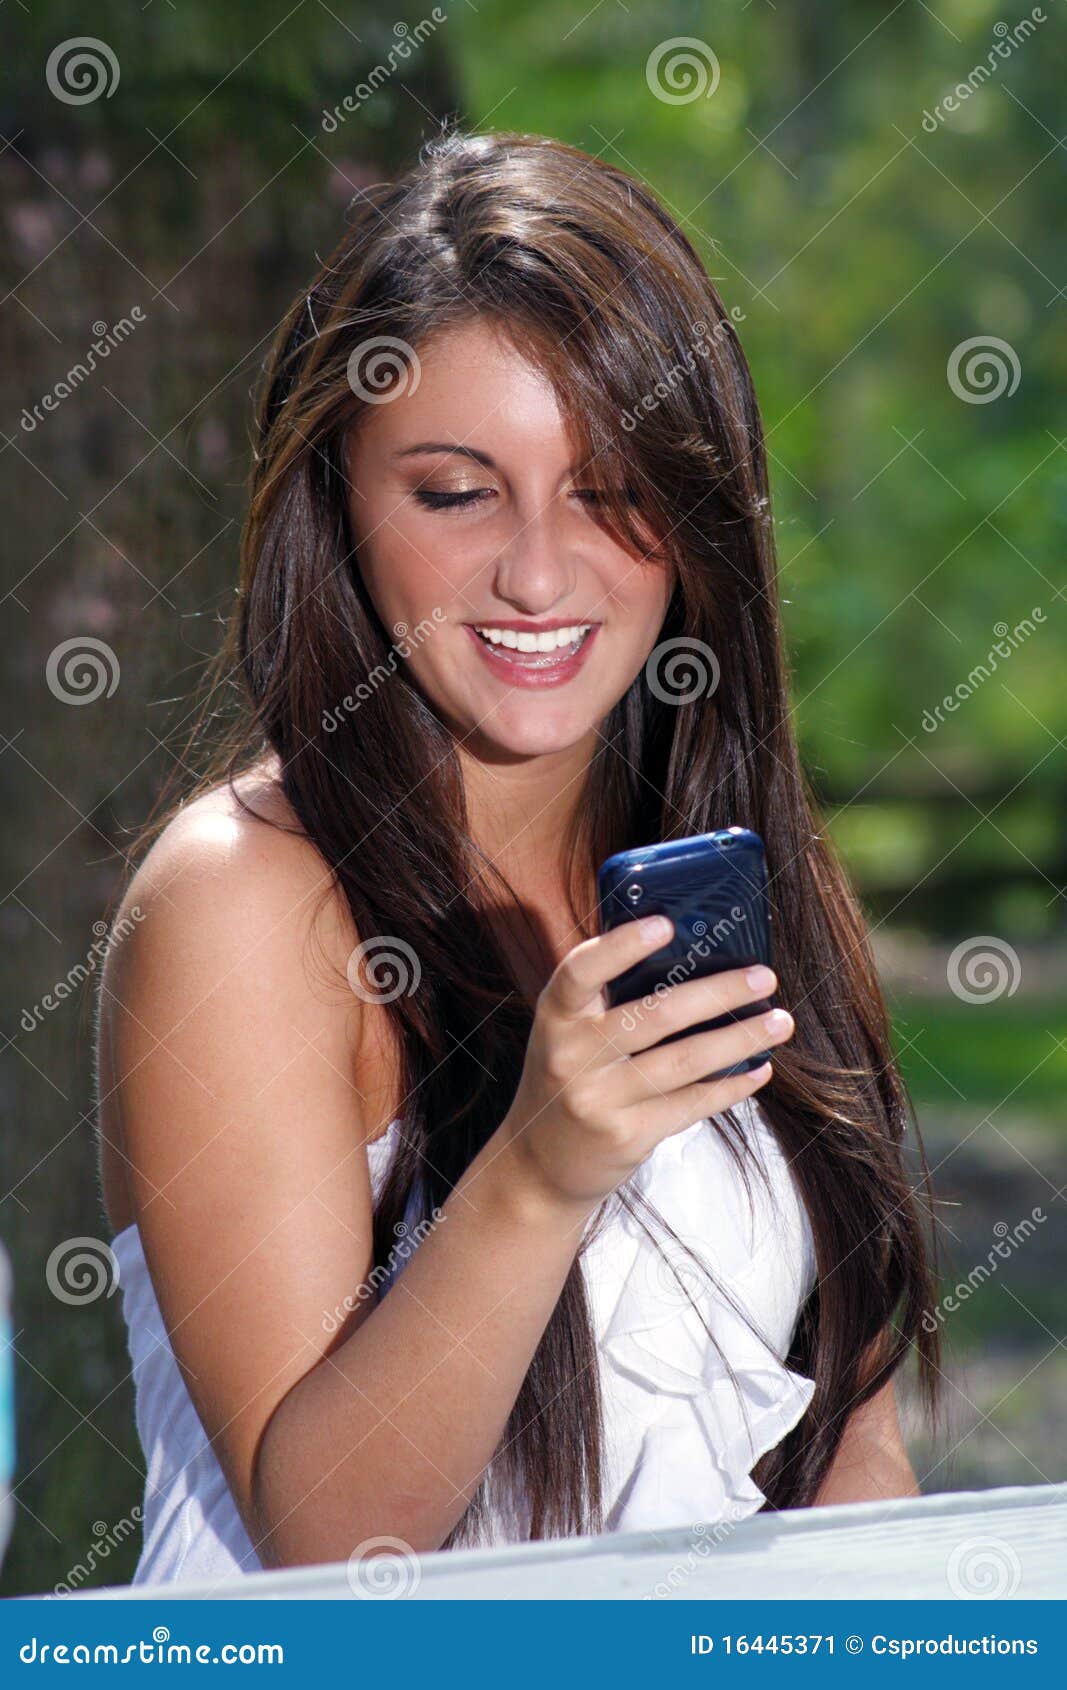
<point x="655" y="927"/>
<point x="777" y="1021"/>
<point x="760" y="979"/>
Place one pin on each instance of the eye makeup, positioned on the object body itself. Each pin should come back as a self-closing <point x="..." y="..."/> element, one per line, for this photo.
<point x="434" y="500"/>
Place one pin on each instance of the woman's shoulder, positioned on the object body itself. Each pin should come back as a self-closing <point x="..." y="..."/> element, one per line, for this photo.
<point x="234" y="898"/>
<point x="232" y="841"/>
<point x="233" y="874"/>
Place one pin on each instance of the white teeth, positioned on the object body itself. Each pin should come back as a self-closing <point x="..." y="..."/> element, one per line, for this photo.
<point x="552" y="640"/>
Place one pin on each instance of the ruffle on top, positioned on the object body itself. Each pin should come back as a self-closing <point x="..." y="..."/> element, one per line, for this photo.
<point x="682" y="1436"/>
<point x="680" y="1441"/>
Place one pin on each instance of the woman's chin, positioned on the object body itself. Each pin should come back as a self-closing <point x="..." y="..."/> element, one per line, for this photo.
<point x="527" y="732"/>
<point x="515" y="722"/>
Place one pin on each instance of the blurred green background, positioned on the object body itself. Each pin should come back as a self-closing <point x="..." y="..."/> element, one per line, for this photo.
<point x="868" y="230"/>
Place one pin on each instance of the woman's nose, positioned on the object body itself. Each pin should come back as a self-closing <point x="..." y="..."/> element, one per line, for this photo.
<point x="537" y="567"/>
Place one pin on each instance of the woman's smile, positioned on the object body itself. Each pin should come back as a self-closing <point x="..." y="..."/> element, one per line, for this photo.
<point x="471" y="503"/>
<point x="533" y="654"/>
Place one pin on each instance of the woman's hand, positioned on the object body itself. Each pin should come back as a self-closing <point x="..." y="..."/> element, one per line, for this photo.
<point x="594" y="1099"/>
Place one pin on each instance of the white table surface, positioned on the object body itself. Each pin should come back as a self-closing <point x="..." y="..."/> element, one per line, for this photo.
<point x="1009" y="1542"/>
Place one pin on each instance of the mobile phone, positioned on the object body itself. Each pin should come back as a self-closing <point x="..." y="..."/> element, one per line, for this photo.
<point x="713" y="886"/>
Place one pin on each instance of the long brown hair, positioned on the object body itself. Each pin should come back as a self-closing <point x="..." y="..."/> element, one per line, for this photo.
<point x="580" y="265"/>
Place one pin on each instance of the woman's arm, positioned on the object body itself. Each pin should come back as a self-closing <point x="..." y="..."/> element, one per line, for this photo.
<point x="871" y="1461"/>
<point x="231" y="1053"/>
<point x="231" y="1063"/>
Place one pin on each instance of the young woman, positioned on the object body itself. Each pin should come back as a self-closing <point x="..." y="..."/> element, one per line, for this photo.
<point x="420" y="1243"/>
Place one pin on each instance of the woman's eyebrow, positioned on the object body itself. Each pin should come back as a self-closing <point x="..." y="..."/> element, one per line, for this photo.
<point x="447" y="446"/>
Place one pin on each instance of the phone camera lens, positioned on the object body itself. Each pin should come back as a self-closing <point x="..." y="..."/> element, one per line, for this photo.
<point x="633" y="893"/>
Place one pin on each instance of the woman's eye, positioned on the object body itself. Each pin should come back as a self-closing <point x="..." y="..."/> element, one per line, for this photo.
<point x="453" y="501"/>
<point x="448" y="501"/>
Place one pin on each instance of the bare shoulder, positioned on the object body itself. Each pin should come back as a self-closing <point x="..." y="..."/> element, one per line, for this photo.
<point x="231" y="923"/>
<point x="231" y="1118"/>
<point x="234" y="864"/>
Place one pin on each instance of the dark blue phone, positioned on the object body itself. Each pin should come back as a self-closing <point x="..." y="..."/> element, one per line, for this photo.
<point x="714" y="888"/>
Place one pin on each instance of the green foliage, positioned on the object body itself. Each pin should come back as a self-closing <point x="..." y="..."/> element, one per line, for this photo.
<point x="199" y="75"/>
<point x="863" y="250"/>
<point x="1008" y="1055"/>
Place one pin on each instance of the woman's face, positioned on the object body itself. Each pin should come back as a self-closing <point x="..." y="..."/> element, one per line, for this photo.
<point x="520" y="549"/>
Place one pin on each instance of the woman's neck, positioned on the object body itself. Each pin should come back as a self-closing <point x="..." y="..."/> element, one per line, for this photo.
<point x="520" y="816"/>
<point x="519" y="813"/>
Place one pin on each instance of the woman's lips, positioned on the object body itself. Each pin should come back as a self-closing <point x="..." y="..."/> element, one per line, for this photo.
<point x="518" y="667"/>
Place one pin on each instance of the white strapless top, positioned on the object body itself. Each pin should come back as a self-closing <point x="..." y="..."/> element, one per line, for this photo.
<point x="680" y="1438"/>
